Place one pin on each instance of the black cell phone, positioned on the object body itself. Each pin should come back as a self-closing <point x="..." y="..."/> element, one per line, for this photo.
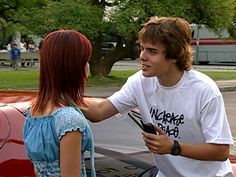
<point x="149" y="128"/>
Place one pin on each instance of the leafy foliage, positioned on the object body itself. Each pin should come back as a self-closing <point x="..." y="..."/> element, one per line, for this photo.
<point x="63" y="15"/>
<point x="126" y="16"/>
<point x="120" y="18"/>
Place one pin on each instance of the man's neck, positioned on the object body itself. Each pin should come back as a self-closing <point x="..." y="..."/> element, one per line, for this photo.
<point x="171" y="79"/>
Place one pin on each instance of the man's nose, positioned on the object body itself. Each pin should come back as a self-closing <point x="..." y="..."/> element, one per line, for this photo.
<point x="142" y="55"/>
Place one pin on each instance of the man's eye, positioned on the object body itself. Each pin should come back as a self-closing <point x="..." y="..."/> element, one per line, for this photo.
<point x="152" y="51"/>
<point x="141" y="48"/>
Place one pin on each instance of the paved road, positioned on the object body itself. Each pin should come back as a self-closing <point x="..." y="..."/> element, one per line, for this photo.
<point x="123" y="135"/>
<point x="127" y="64"/>
<point x="230" y="106"/>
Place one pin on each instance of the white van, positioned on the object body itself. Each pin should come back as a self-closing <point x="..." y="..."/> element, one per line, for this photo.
<point x="210" y="47"/>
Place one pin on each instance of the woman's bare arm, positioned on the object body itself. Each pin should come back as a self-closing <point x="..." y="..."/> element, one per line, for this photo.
<point x="70" y="154"/>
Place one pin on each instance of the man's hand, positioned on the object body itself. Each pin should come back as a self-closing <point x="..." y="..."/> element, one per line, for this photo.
<point x="158" y="144"/>
<point x="98" y="109"/>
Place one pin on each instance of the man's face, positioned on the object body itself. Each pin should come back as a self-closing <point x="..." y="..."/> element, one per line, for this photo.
<point x="153" y="60"/>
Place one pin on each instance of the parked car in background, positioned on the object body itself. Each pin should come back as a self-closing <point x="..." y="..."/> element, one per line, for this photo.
<point x="107" y="47"/>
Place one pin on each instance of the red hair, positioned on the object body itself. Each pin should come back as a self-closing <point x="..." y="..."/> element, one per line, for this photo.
<point x="63" y="58"/>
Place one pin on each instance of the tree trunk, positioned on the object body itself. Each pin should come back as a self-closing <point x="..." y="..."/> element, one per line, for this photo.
<point x="101" y="66"/>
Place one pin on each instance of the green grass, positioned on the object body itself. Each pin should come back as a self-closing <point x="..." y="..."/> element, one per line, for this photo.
<point x="116" y="78"/>
<point x="18" y="80"/>
<point x="220" y="75"/>
<point x="28" y="79"/>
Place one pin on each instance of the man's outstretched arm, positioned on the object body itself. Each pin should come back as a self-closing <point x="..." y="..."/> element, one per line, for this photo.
<point x="98" y="109"/>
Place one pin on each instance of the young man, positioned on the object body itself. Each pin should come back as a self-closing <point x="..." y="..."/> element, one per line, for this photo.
<point x="15" y="56"/>
<point x="185" y="106"/>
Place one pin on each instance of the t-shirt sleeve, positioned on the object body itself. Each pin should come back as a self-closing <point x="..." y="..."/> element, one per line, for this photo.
<point x="124" y="99"/>
<point x="215" y="124"/>
<point x="69" y="120"/>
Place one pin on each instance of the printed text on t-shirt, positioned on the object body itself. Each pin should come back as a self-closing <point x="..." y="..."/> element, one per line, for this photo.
<point x="167" y="121"/>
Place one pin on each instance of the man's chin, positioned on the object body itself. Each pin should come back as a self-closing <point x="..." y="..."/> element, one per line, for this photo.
<point x="146" y="74"/>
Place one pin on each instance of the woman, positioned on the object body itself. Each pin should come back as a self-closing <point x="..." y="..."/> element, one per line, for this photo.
<point x="56" y="133"/>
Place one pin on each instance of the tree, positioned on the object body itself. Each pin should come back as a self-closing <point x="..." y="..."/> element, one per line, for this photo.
<point x="9" y="18"/>
<point x="128" y="17"/>
<point x="232" y="27"/>
<point x="121" y="19"/>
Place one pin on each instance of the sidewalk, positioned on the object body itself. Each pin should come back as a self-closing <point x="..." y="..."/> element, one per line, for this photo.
<point x="227" y="85"/>
<point x="101" y="91"/>
<point x="104" y="92"/>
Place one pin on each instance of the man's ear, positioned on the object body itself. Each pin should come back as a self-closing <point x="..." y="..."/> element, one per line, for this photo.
<point x="173" y="60"/>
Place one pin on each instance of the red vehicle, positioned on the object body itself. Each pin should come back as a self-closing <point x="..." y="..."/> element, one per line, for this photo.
<point x="15" y="163"/>
<point x="13" y="158"/>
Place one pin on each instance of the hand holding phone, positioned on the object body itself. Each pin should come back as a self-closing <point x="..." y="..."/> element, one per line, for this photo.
<point x="149" y="128"/>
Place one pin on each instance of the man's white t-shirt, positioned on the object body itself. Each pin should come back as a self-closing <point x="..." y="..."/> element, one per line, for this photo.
<point x="192" y="111"/>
